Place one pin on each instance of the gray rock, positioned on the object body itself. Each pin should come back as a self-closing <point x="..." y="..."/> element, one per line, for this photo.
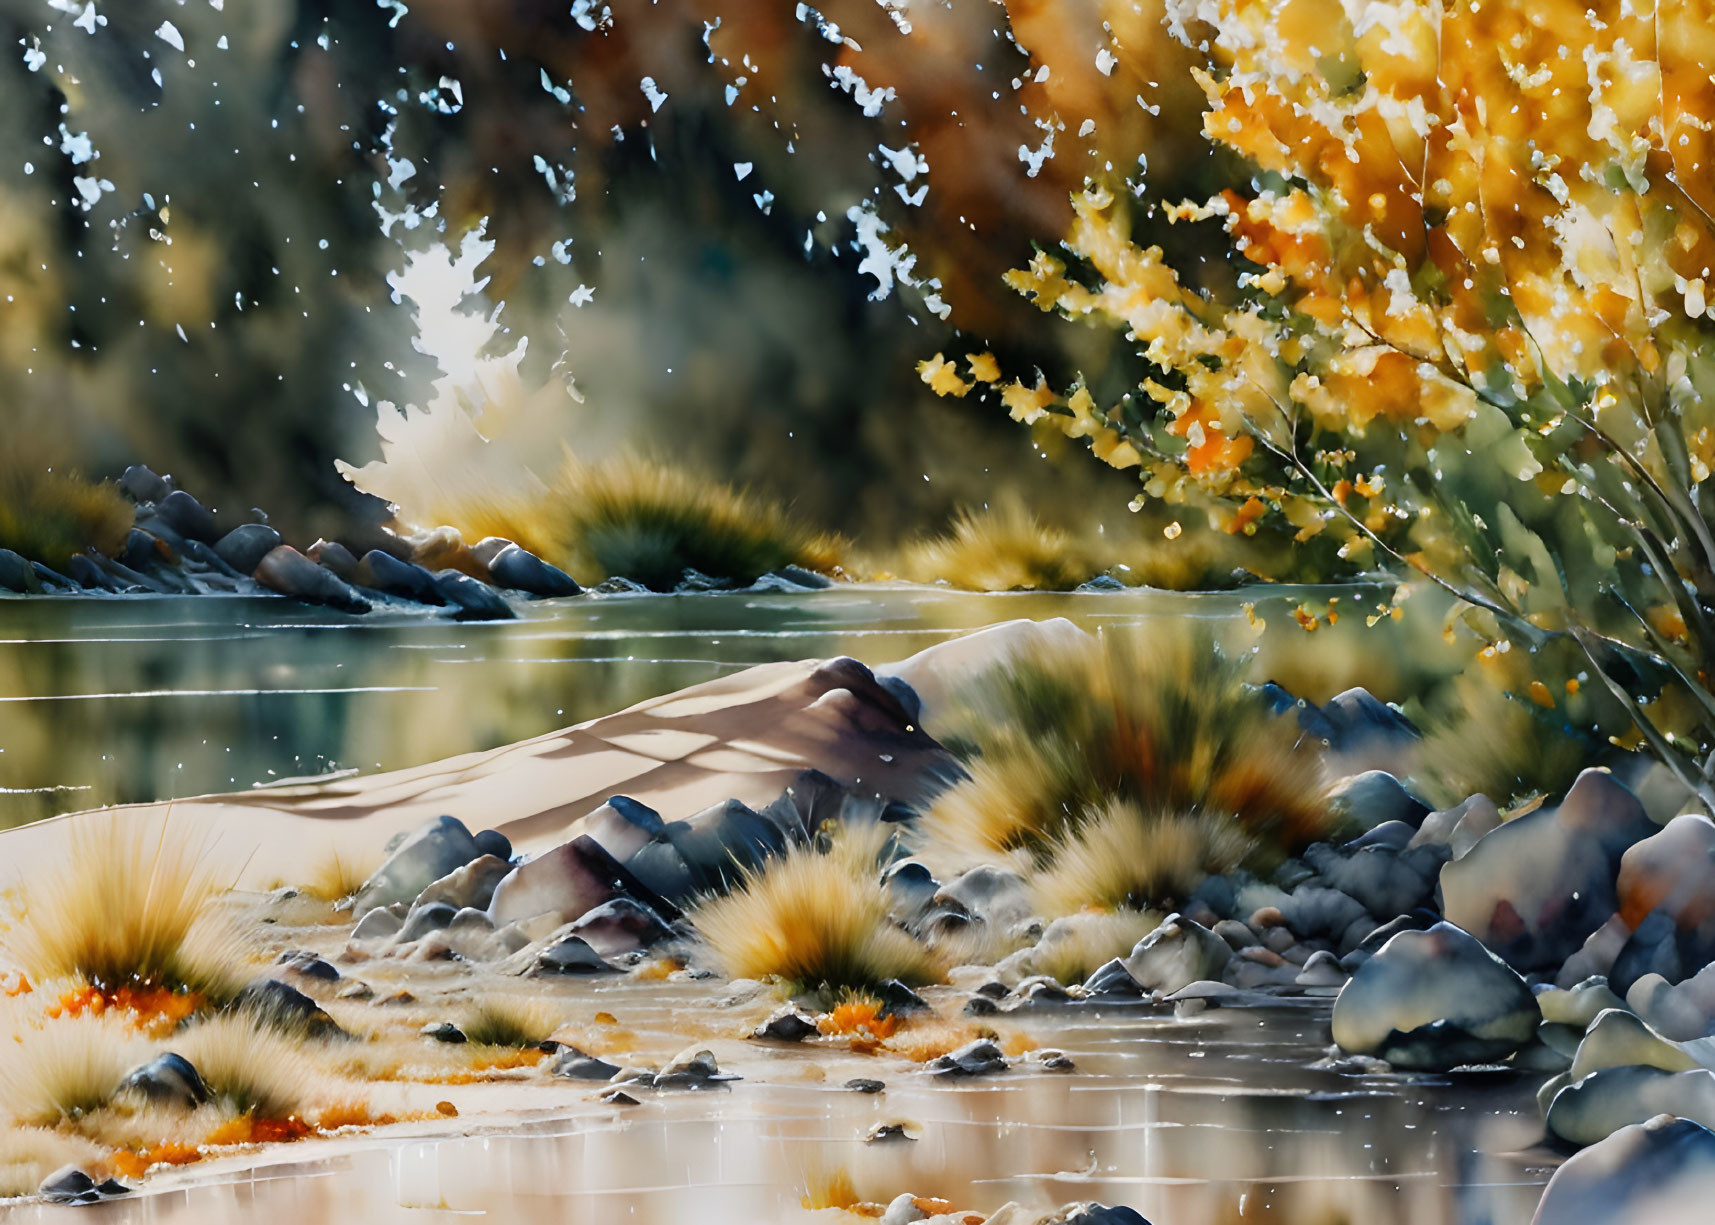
<point x="1459" y="828"/>
<point x="307" y="965"/>
<point x="788" y="1023"/>
<point x="16" y="574"/>
<point x="488" y="548"/>
<point x="433" y="850"/>
<point x="167" y="1079"/>
<point x="1237" y="935"/>
<point x="244" y="547"/>
<point x="979" y="1058"/>
<point x="290" y="573"/>
<point x="68" y="1185"/>
<point x="471" y="600"/>
<point x="1374" y="797"/>
<point x="1661" y="1171"/>
<point x="471" y="885"/>
<point x="899" y="1000"/>
<point x="1666" y="893"/>
<point x="1433" y="1000"/>
<point x="444" y="1031"/>
<point x="1102" y="1214"/>
<point x="1617" y="1039"/>
<point x="423" y="920"/>
<point x="282" y="1006"/>
<point x="863" y="1084"/>
<point x="1535" y="888"/>
<point x="334" y="556"/>
<point x="188" y="517"/>
<point x="401" y="579"/>
<point x="573" y="1064"/>
<point x="620" y="927"/>
<point x="85" y="573"/>
<point x="1177" y="953"/>
<point x="1321" y="970"/>
<point x="568" y="882"/>
<point x="518" y="570"/>
<point x="142" y="485"/>
<point x="1376" y="876"/>
<point x="623" y="826"/>
<point x="569" y="956"/>
<point x="996" y="896"/>
<point x="1578" y="1005"/>
<point x="902" y="1209"/>
<point x="911" y="889"/>
<point x="1595" y="1107"/>
<point x="707" y="853"/>
<point x="691" y="1069"/>
<point x="470" y="919"/>
<point x="493" y="842"/>
<point x="378" y="923"/>
<point x="1112" y="979"/>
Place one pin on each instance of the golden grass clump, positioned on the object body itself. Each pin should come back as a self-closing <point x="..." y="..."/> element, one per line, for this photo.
<point x="1003" y="547"/>
<point x="339" y="875"/>
<point x="251" y="1069"/>
<point x="1136" y="763"/>
<point x="50" y="516"/>
<point x="643" y="520"/>
<point x="29" y="1154"/>
<point x="135" y="903"/>
<point x="1125" y="855"/>
<point x="52" y="1070"/>
<point x="817" y="919"/>
<point x="1078" y="945"/>
<point x="509" y="1020"/>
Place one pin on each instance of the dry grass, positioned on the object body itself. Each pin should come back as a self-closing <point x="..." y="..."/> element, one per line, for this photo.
<point x="252" y="1069"/>
<point x="1481" y="739"/>
<point x="52" y="1070"/>
<point x="51" y="516"/>
<point x="133" y="904"/>
<point x="337" y="876"/>
<point x="1084" y="942"/>
<point x="1125" y="856"/>
<point x="1004" y="547"/>
<point x="825" y="1188"/>
<point x="30" y="1154"/>
<point x="816" y="919"/>
<point x="647" y="521"/>
<point x="510" y="1020"/>
<point x="1070" y="742"/>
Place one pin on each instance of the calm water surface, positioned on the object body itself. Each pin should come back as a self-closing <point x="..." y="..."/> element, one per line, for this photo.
<point x="121" y="700"/>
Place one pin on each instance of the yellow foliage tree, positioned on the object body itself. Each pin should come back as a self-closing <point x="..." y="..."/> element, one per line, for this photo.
<point x="1470" y="330"/>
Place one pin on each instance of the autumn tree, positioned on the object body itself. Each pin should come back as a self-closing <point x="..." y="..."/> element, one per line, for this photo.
<point x="1471" y="335"/>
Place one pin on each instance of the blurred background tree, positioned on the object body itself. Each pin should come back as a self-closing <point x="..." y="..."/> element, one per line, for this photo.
<point x="716" y="214"/>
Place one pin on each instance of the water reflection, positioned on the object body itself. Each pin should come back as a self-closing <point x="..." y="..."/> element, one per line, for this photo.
<point x="123" y="700"/>
<point x="1209" y="1122"/>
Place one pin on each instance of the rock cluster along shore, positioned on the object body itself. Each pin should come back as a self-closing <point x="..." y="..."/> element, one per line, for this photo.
<point x="176" y="546"/>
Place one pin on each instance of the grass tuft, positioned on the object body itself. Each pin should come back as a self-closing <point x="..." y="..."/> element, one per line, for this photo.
<point x="816" y="919"/>
<point x="1135" y="765"/>
<point x="512" y="1021"/>
<point x="51" y="516"/>
<point x="134" y="904"/>
<point x="1003" y="547"/>
<point x="1078" y="945"/>
<point x="249" y="1068"/>
<point x="642" y="520"/>
<point x="29" y="1154"/>
<point x="337" y="876"/>
<point x="52" y="1070"/>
